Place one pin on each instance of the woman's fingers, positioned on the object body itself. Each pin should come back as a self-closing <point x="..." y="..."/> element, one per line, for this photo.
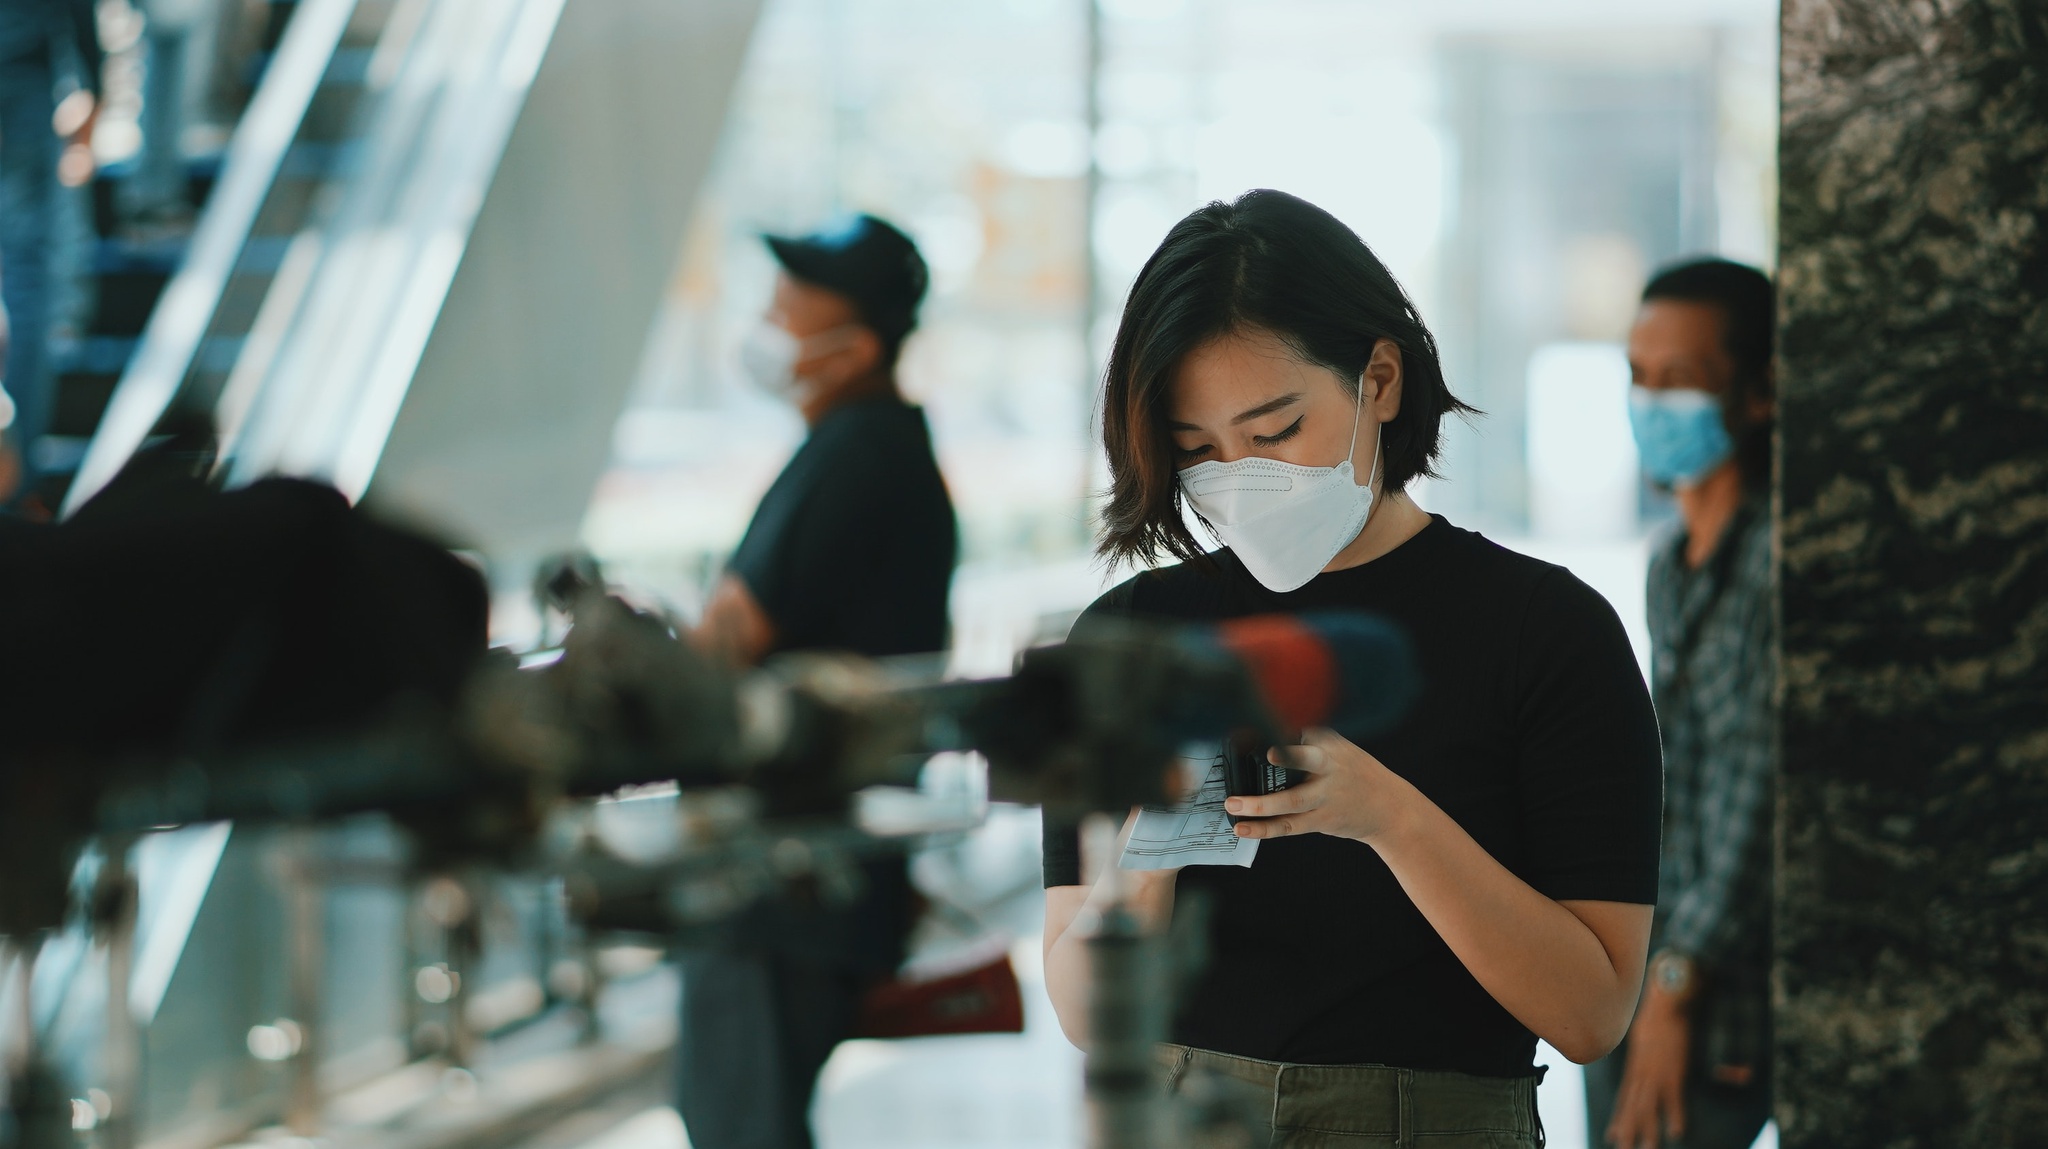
<point x="1306" y="758"/>
<point x="1295" y="810"/>
<point x="1293" y="800"/>
<point x="1284" y="826"/>
<point x="1287" y="756"/>
<point x="1309" y="756"/>
<point x="1320" y="751"/>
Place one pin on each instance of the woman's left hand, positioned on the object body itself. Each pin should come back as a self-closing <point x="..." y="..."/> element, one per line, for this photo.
<point x="1348" y="793"/>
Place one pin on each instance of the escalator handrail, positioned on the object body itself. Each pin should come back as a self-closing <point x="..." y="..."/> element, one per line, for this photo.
<point x="346" y="359"/>
<point x="178" y="323"/>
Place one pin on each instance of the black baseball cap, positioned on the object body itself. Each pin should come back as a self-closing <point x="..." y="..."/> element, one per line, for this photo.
<point x="869" y="262"/>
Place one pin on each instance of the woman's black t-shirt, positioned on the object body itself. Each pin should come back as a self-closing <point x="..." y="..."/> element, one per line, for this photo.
<point x="1532" y="729"/>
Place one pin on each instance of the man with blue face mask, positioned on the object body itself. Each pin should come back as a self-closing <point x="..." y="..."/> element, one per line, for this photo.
<point x="1695" y="1069"/>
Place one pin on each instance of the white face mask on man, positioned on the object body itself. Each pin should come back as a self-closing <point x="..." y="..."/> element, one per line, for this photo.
<point x="769" y="355"/>
<point x="1283" y="521"/>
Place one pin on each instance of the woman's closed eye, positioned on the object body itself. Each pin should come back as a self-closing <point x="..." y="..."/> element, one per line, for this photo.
<point x="1291" y="431"/>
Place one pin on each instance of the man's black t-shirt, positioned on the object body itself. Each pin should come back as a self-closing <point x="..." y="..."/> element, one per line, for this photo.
<point x="852" y="548"/>
<point x="1533" y="730"/>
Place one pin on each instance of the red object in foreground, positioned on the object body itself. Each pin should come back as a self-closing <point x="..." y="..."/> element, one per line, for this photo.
<point x="984" y="999"/>
<point x="1295" y="671"/>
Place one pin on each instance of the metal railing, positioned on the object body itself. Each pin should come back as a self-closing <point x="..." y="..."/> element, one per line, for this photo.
<point x="319" y="399"/>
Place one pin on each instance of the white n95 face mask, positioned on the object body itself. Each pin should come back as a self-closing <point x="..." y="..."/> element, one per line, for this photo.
<point x="769" y="356"/>
<point x="1283" y="521"/>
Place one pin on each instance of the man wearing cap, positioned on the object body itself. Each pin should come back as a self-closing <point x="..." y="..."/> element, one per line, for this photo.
<point x="851" y="549"/>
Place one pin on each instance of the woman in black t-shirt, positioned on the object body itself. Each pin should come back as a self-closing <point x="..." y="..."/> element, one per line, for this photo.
<point x="1430" y="901"/>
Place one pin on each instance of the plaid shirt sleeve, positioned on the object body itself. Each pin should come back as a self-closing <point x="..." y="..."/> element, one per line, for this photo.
<point x="1722" y="915"/>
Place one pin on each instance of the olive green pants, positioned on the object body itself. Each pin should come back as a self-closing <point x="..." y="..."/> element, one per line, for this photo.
<point x="1354" y="1106"/>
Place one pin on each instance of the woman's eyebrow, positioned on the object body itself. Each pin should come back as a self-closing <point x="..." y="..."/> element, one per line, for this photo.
<point x="1268" y="407"/>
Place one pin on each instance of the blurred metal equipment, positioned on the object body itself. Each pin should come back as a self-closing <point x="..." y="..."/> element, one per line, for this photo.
<point x="1082" y="726"/>
<point x="773" y="762"/>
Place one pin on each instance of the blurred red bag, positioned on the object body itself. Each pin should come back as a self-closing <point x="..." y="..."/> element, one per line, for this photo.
<point x="983" y="999"/>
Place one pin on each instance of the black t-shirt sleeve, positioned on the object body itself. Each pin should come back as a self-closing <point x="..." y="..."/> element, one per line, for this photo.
<point x="1062" y="852"/>
<point x="1062" y="836"/>
<point x="1590" y="767"/>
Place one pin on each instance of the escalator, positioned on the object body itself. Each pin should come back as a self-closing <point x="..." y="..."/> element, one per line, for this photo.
<point x="141" y="235"/>
<point x="432" y="257"/>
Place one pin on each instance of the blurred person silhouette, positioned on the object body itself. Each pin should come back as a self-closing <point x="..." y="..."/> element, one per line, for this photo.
<point x="1695" y="1069"/>
<point x="43" y="43"/>
<point x="851" y="549"/>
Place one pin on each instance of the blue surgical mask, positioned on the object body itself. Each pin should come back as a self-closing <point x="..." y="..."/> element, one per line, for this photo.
<point x="1680" y="435"/>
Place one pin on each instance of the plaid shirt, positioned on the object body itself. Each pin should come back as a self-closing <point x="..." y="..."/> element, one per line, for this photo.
<point x="1713" y="671"/>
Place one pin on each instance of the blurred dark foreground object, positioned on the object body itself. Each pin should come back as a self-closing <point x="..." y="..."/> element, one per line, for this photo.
<point x="180" y="655"/>
<point x="189" y="623"/>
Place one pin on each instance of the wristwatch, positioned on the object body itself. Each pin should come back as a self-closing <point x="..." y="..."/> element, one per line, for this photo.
<point x="1674" y="974"/>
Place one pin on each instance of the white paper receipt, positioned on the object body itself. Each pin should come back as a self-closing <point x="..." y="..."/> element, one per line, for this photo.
<point x="1193" y="833"/>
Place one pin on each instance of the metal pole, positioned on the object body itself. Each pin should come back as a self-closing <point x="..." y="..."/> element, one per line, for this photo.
<point x="122" y="1065"/>
<point x="21" y="1025"/>
<point x="412" y="952"/>
<point x="308" y="968"/>
<point x="464" y="954"/>
<point x="1126" y="1020"/>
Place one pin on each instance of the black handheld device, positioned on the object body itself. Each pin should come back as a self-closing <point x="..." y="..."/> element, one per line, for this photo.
<point x="1247" y="773"/>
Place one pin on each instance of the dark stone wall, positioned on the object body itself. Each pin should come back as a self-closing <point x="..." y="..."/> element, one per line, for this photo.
<point x="1913" y="879"/>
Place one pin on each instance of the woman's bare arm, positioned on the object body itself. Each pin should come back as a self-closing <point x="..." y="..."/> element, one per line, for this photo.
<point x="1071" y="913"/>
<point x="1066" y="961"/>
<point x="1571" y="971"/>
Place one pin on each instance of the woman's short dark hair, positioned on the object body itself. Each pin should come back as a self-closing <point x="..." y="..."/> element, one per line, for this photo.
<point x="1267" y="262"/>
<point x="1749" y="323"/>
